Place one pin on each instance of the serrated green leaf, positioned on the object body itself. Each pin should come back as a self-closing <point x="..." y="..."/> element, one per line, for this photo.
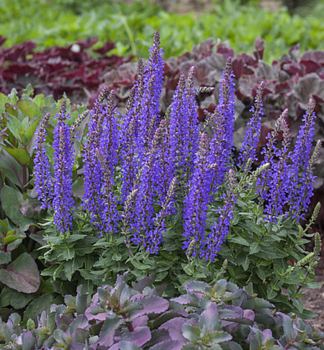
<point x="209" y="319"/>
<point x="71" y="266"/>
<point x="190" y="332"/>
<point x="217" y="337"/>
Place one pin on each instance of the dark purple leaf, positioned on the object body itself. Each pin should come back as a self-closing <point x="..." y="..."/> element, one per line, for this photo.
<point x="186" y="299"/>
<point x="151" y="305"/>
<point x="22" y="274"/>
<point x="174" y="327"/>
<point x="145" y="282"/>
<point x="139" y="336"/>
<point x="168" y="345"/>
<point x="107" y="333"/>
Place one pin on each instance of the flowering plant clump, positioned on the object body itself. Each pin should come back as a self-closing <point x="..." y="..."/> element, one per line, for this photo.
<point x="154" y="181"/>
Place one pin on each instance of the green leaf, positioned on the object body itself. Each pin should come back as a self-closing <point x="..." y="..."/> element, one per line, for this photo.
<point x="11" y="111"/>
<point x="3" y="101"/>
<point x="3" y="227"/>
<point x="261" y="273"/>
<point x="272" y="252"/>
<point x="11" y="237"/>
<point x="29" y="109"/>
<point x="37" y="306"/>
<point x="313" y="285"/>
<point x="67" y="254"/>
<point x="22" y="274"/>
<point x="190" y="346"/>
<point x="39" y="100"/>
<point x="127" y="345"/>
<point x="5" y="258"/>
<point x="58" y="270"/>
<point x="71" y="266"/>
<point x="190" y="332"/>
<point x="209" y="319"/>
<point x="28" y="341"/>
<point x="217" y="337"/>
<point x="239" y="240"/>
<point x="271" y="294"/>
<point x="287" y="326"/>
<point x="30" y="132"/>
<point x="255" y="248"/>
<point x="196" y="287"/>
<point x="14" y="124"/>
<point x="29" y="90"/>
<point x="12" y="168"/>
<point x="19" y="300"/>
<point x="11" y="200"/>
<point x="5" y="296"/>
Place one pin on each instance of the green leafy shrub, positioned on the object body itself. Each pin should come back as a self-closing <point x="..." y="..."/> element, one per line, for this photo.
<point x="100" y="242"/>
<point x="220" y="316"/>
<point x="22" y="287"/>
<point x="270" y="254"/>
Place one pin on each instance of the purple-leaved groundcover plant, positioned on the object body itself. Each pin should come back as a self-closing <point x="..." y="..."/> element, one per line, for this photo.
<point x="141" y="167"/>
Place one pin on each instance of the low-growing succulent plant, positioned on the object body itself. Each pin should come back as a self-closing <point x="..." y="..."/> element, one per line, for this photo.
<point x="219" y="317"/>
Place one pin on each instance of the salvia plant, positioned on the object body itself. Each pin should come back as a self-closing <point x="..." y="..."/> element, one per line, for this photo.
<point x="219" y="317"/>
<point x="170" y="185"/>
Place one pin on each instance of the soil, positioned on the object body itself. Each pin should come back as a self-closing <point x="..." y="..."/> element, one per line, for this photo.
<point x="314" y="301"/>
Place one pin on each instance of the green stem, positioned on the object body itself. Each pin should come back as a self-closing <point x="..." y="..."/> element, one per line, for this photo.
<point x="129" y="34"/>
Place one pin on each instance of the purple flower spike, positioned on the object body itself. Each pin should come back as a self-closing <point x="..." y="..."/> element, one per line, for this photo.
<point x="182" y="131"/>
<point x="42" y="175"/>
<point x="218" y="152"/>
<point x="301" y="171"/>
<point x="278" y="179"/>
<point x="196" y="202"/>
<point x="226" y="106"/>
<point x="270" y="153"/>
<point x="93" y="177"/>
<point x="63" y="203"/>
<point x="154" y="69"/>
<point x="146" y="181"/>
<point x="154" y="237"/>
<point x="252" y="134"/>
<point x="220" y="229"/>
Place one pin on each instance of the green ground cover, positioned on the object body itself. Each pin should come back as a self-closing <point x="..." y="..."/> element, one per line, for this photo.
<point x="57" y="22"/>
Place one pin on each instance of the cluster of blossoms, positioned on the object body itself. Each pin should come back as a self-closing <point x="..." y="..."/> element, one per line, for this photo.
<point x="56" y="192"/>
<point x="153" y="167"/>
<point x="286" y="186"/>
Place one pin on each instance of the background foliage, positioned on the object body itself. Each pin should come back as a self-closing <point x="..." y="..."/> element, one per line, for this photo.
<point x="57" y="22"/>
